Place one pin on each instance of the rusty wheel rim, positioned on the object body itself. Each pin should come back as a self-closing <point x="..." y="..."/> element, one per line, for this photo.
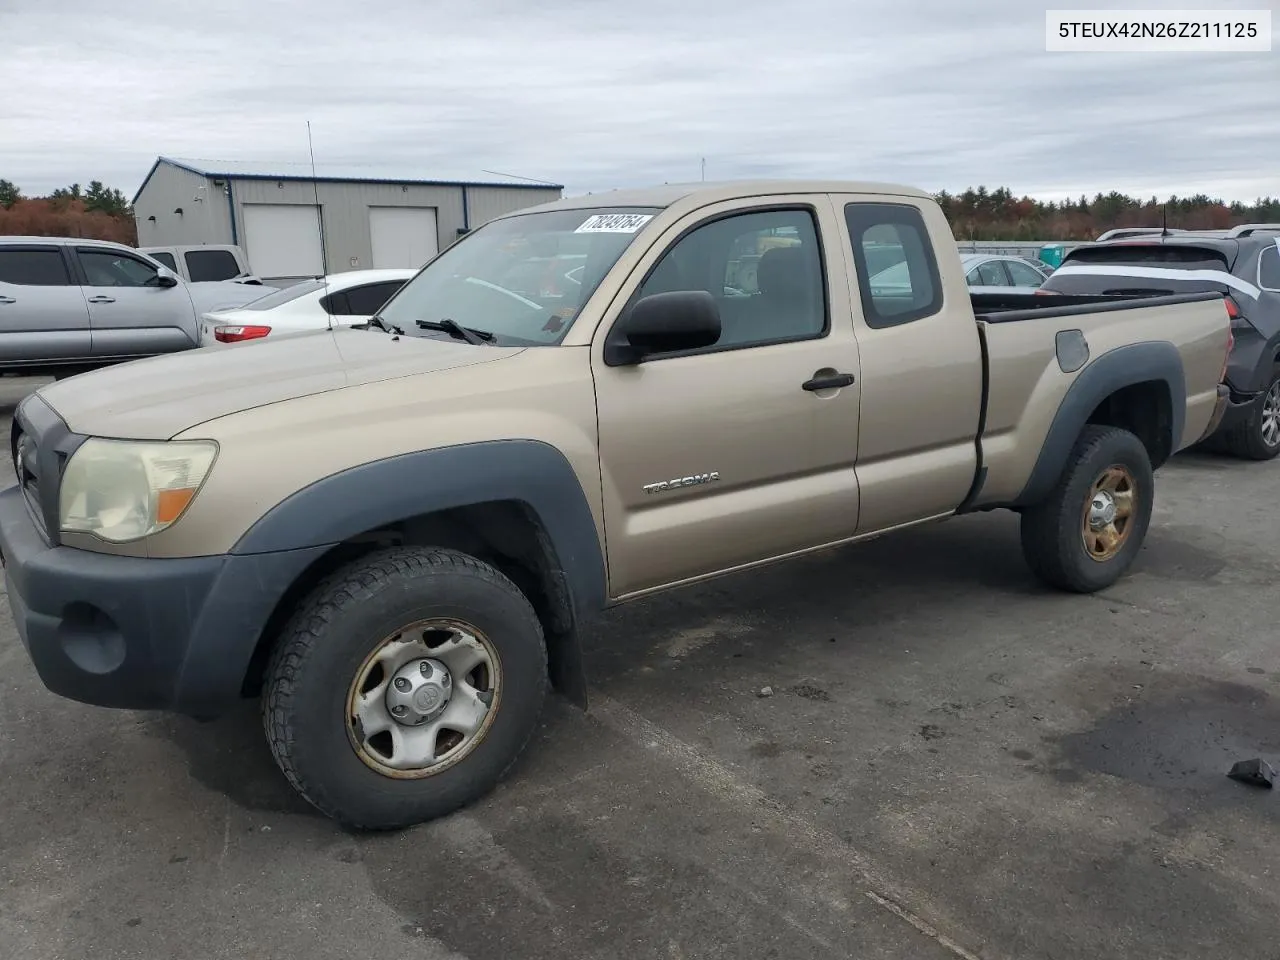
<point x="1108" y="513"/>
<point x="424" y="698"/>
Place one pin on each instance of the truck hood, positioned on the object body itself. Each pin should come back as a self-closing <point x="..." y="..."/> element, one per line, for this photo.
<point x="157" y="398"/>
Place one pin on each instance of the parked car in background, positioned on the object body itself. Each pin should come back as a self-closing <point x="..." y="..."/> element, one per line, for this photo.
<point x="199" y="263"/>
<point x="1122" y="233"/>
<point x="984" y="273"/>
<point x="1244" y="265"/>
<point x="69" y="304"/>
<point x="340" y="299"/>
<point x="1012" y="274"/>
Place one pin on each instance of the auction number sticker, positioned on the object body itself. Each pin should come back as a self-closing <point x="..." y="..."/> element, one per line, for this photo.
<point x="614" y="223"/>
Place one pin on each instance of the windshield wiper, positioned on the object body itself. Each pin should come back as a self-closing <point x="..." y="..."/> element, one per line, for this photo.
<point x="457" y="330"/>
<point x="377" y="321"/>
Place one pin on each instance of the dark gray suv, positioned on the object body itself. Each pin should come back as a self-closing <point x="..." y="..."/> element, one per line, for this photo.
<point x="1244" y="264"/>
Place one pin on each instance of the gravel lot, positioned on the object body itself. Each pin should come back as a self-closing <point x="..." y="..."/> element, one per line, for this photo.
<point x="954" y="762"/>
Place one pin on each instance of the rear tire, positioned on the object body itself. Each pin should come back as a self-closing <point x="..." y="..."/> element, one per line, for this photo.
<point x="1258" y="437"/>
<point x="1086" y="533"/>
<point x="357" y="651"/>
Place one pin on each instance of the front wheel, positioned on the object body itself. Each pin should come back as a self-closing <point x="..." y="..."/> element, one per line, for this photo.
<point x="1088" y="530"/>
<point x="404" y="687"/>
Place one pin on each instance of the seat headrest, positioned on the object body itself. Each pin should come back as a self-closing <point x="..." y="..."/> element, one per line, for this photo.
<point x="783" y="271"/>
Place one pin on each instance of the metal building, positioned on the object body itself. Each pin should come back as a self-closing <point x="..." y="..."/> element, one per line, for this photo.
<point x="276" y="212"/>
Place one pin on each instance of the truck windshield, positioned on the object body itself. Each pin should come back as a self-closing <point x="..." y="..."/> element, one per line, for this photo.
<point x="522" y="278"/>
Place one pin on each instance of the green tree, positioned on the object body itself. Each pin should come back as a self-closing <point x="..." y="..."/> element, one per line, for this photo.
<point x="105" y="199"/>
<point x="9" y="194"/>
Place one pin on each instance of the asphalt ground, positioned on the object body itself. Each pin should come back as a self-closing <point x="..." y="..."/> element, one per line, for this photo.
<point x="954" y="762"/>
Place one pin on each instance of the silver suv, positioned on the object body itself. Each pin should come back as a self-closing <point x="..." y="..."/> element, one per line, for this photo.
<point x="68" y="304"/>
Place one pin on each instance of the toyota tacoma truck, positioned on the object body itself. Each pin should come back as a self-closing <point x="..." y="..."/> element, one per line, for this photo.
<point x="392" y="534"/>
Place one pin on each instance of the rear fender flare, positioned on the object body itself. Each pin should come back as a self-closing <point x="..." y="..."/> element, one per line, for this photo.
<point x="1119" y="368"/>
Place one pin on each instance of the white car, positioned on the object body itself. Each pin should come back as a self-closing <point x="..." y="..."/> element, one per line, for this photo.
<point x="984" y="273"/>
<point x="988" y="273"/>
<point x="340" y="299"/>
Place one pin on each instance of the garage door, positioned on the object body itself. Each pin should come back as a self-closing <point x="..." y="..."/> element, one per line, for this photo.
<point x="402" y="236"/>
<point x="283" y="240"/>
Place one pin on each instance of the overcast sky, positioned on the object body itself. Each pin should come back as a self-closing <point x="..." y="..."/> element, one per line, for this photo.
<point x="597" y="94"/>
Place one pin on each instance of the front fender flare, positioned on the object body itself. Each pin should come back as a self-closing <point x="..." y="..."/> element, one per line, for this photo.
<point x="384" y="492"/>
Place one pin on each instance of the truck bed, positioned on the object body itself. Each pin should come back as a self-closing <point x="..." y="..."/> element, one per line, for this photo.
<point x="1010" y="307"/>
<point x="1028" y="374"/>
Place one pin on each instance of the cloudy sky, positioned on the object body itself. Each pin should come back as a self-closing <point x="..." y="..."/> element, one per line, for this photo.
<point x="597" y="94"/>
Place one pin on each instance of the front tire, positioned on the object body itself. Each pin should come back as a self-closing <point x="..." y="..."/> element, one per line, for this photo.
<point x="1258" y="436"/>
<point x="404" y="687"/>
<point x="1088" y="530"/>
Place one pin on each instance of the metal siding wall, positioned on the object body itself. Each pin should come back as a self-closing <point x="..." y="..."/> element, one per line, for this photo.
<point x="485" y="203"/>
<point x="203" y="221"/>
<point x="345" y="209"/>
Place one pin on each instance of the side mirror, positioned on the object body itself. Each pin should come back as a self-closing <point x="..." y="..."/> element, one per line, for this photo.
<point x="166" y="278"/>
<point x="663" y="323"/>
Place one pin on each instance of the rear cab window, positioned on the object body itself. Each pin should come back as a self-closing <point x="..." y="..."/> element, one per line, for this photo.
<point x="208" y="265"/>
<point x="897" y="271"/>
<point x="33" y="267"/>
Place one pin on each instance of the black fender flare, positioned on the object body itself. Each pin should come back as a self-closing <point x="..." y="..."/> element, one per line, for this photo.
<point x="387" y="491"/>
<point x="1156" y="360"/>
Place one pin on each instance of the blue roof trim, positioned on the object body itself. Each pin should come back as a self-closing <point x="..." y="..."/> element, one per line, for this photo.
<point x="145" y="181"/>
<point x="294" y="178"/>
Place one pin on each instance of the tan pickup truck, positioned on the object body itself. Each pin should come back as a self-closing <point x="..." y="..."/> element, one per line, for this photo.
<point x="392" y="533"/>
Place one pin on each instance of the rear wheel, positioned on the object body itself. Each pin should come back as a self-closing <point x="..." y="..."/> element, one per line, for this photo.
<point x="404" y="687"/>
<point x="1087" y="532"/>
<point x="1258" y="436"/>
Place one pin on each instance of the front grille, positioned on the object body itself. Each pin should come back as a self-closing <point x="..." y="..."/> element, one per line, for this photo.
<point x="26" y="467"/>
<point x="42" y="444"/>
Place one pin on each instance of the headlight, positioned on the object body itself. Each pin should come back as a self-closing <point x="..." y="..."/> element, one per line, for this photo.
<point x="123" y="490"/>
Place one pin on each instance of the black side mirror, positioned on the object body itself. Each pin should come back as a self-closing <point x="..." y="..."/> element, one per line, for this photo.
<point x="663" y="323"/>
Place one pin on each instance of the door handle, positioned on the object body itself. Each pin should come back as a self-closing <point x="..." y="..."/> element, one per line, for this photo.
<point x="7" y="300"/>
<point x="102" y="299"/>
<point x="830" y="382"/>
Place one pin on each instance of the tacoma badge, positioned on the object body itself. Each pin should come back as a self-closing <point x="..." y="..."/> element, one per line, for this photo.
<point x="692" y="481"/>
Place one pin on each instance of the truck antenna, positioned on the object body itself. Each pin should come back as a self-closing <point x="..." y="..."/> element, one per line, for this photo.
<point x="1164" y="221"/>
<point x="324" y="256"/>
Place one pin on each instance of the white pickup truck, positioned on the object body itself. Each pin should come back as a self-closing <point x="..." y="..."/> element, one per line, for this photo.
<point x="203" y="263"/>
<point x="69" y="304"/>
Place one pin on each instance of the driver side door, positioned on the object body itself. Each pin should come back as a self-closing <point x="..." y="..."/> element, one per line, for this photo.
<point x="129" y="314"/>
<point x="733" y="454"/>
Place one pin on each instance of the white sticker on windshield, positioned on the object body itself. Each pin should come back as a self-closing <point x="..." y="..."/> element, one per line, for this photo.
<point x="614" y="223"/>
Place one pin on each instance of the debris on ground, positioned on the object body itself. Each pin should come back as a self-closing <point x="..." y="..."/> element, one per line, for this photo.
<point x="1255" y="772"/>
<point x="765" y="692"/>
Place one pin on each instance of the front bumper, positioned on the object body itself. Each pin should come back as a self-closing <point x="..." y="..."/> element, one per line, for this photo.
<point x="139" y="633"/>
